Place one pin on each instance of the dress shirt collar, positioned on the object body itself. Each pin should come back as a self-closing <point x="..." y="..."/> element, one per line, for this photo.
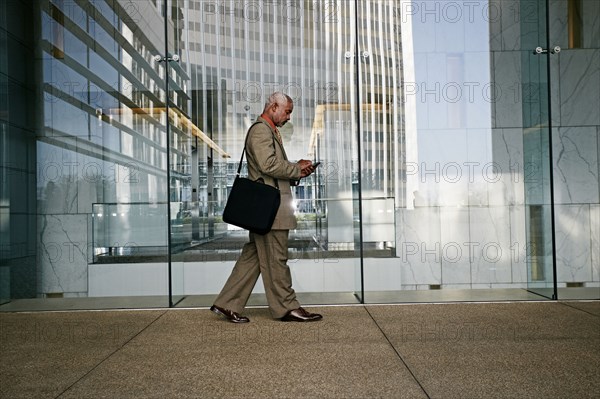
<point x="269" y="121"/>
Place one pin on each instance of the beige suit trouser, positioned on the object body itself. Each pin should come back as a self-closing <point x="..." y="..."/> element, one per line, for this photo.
<point x="264" y="255"/>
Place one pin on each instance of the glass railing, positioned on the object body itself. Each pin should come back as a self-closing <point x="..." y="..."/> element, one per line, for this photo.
<point x="129" y="230"/>
<point x="137" y="232"/>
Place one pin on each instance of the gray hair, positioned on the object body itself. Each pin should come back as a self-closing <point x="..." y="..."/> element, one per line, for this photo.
<point x="278" y="98"/>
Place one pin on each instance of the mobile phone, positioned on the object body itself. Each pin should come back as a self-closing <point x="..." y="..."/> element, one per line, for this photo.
<point x="315" y="164"/>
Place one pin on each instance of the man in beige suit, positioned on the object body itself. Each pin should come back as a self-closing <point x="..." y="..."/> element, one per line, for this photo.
<point x="267" y="254"/>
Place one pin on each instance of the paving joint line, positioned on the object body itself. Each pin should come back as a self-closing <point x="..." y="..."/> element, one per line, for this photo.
<point x="397" y="353"/>
<point x="110" y="355"/>
<point x="579" y="309"/>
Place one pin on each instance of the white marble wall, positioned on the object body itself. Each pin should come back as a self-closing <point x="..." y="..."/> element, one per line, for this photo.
<point x="579" y="86"/>
<point x="62" y="254"/>
<point x="573" y="243"/>
<point x="576" y="165"/>
<point x="576" y="144"/>
<point x="418" y="245"/>
<point x="595" y="241"/>
<point x="505" y="177"/>
<point x="62" y="233"/>
<point x="69" y="183"/>
<point x="462" y="246"/>
<point x="201" y="278"/>
<point x="506" y="73"/>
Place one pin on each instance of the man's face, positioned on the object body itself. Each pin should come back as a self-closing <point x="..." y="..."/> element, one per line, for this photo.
<point x="282" y="113"/>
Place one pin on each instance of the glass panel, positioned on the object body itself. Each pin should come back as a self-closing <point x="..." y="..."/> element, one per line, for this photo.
<point x="182" y="143"/>
<point x="576" y="146"/>
<point x="85" y="129"/>
<point x="236" y="54"/>
<point x="128" y="231"/>
<point x="381" y="137"/>
<point x="539" y="215"/>
<point x="448" y="87"/>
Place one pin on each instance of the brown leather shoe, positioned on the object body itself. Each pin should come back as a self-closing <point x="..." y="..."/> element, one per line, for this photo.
<point x="301" y="314"/>
<point x="229" y="314"/>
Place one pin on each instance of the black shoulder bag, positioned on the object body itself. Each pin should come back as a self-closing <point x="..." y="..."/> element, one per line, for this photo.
<point x="251" y="205"/>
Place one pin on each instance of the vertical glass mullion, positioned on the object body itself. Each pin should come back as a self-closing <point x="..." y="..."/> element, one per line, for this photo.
<point x="550" y="151"/>
<point x="358" y="113"/>
<point x="168" y="149"/>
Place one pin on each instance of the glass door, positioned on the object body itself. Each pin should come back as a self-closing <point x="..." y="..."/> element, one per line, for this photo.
<point x="576" y="125"/>
<point x="538" y="148"/>
<point x="334" y="124"/>
<point x="379" y="68"/>
<point x="455" y="150"/>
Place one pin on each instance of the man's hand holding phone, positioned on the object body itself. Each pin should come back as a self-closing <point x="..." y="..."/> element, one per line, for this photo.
<point x="307" y="167"/>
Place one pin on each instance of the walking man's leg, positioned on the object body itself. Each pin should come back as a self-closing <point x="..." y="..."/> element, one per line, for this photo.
<point x="236" y="291"/>
<point x="272" y="249"/>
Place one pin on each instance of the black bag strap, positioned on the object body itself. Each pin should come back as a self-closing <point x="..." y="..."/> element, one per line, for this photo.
<point x="239" y="169"/>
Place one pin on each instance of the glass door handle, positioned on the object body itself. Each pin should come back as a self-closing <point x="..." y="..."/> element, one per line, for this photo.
<point x="540" y="50"/>
<point x="160" y="58"/>
<point x="350" y="54"/>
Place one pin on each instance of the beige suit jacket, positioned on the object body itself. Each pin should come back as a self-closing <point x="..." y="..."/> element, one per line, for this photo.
<point x="267" y="159"/>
